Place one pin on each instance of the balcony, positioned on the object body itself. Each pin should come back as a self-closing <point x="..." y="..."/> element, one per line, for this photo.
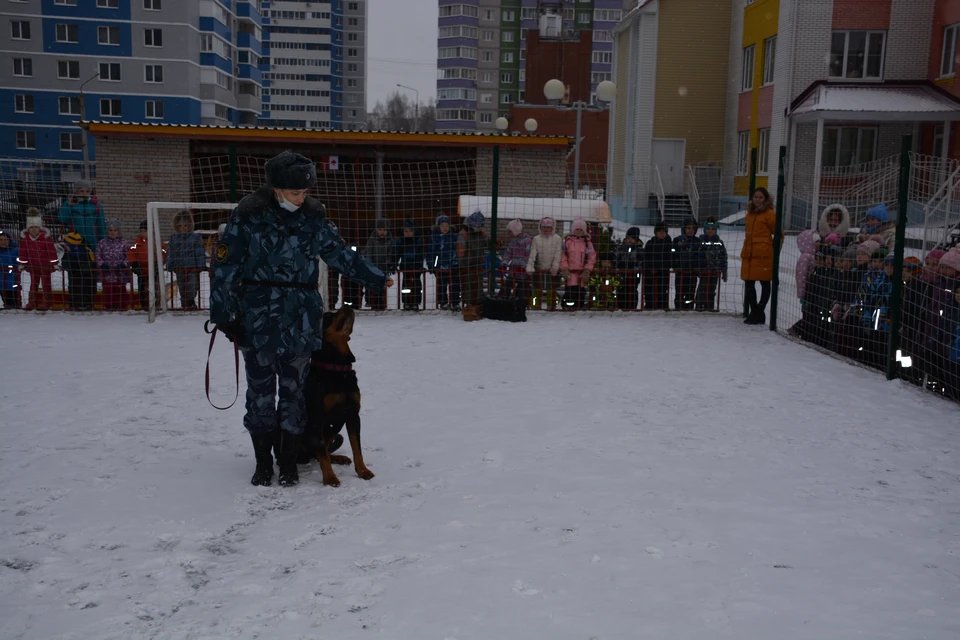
<point x="247" y="11"/>
<point x="249" y="41"/>
<point x="249" y="102"/>
<point x="249" y="72"/>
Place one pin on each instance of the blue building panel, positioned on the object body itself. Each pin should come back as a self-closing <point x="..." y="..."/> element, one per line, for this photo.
<point x="248" y="41"/>
<point x="217" y="27"/>
<point x="250" y="72"/>
<point x="213" y="60"/>
<point x="248" y="10"/>
<point x="87" y="43"/>
<point x="87" y="10"/>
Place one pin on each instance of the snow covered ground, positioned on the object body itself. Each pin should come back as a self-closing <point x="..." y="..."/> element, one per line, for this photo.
<point x="571" y="477"/>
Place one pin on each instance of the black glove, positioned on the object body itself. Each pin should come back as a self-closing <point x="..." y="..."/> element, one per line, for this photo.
<point x="232" y="331"/>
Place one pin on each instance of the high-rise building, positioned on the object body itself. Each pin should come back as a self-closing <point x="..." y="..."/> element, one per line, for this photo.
<point x="481" y="52"/>
<point x="315" y="64"/>
<point x="165" y="61"/>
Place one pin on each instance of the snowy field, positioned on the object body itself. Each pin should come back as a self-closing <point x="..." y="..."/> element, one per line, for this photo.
<point x="572" y="477"/>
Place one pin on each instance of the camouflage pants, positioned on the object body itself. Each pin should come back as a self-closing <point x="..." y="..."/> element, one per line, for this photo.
<point x="263" y="369"/>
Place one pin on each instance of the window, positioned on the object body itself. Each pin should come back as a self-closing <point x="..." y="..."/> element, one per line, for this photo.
<point x="153" y="37"/>
<point x="65" y="3"/>
<point x="154" y="109"/>
<point x="151" y="5"/>
<point x="23" y="67"/>
<point x="67" y="33"/>
<point x="743" y="153"/>
<point x="220" y="111"/>
<point x="607" y="15"/>
<point x="846" y="146"/>
<point x="769" y="59"/>
<point x="597" y="77"/>
<point x="857" y="54"/>
<point x="353" y="22"/>
<point x="455" y="73"/>
<point x="486" y="117"/>
<point x="110" y="108"/>
<point x="763" y="152"/>
<point x="488" y="35"/>
<point x="69" y="105"/>
<point x="568" y="14"/>
<point x="210" y="44"/>
<point x="487" y="56"/>
<point x="110" y="71"/>
<point x="26" y="140"/>
<point x="352" y="67"/>
<point x="507" y="36"/>
<point x="456" y="94"/>
<point x="351" y="83"/>
<point x="523" y="54"/>
<point x="583" y="17"/>
<point x="23" y="103"/>
<point x="602" y="35"/>
<point x="108" y="4"/>
<point x="352" y="53"/>
<point x="523" y="75"/>
<point x="108" y="35"/>
<point x="602" y="57"/>
<point x="508" y="56"/>
<point x="20" y="30"/>
<point x="486" y="77"/>
<point x="509" y="16"/>
<point x="506" y="78"/>
<point x="153" y="73"/>
<point x="353" y="37"/>
<point x="506" y="98"/>
<point x="450" y="10"/>
<point x="68" y="69"/>
<point x="456" y="114"/>
<point x="71" y="142"/>
<point x="353" y="6"/>
<point x="948" y="59"/>
<point x="486" y="98"/>
<point x="938" y="141"/>
<point x="746" y="79"/>
<point x="488" y="14"/>
<point x="469" y="53"/>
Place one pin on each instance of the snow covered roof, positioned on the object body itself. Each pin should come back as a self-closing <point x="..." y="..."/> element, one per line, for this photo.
<point x="536" y="208"/>
<point x="875" y="102"/>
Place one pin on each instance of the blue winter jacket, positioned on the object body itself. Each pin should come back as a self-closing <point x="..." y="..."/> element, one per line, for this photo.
<point x="86" y="218"/>
<point x="873" y="298"/>
<point x="8" y="267"/>
<point x="266" y="273"/>
<point x="185" y="251"/>
<point x="443" y="250"/>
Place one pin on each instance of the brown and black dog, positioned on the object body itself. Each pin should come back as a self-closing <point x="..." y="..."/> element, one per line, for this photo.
<point x="333" y="399"/>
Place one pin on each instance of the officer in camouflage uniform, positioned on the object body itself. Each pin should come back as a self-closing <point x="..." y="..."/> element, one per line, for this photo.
<point x="264" y="296"/>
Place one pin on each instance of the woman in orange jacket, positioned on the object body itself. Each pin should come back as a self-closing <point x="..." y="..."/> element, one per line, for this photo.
<point x="757" y="255"/>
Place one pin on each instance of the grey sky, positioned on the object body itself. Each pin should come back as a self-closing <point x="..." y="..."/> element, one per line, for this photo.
<point x="402" y="37"/>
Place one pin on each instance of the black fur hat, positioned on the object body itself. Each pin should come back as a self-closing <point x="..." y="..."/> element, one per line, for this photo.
<point x="633" y="232"/>
<point x="291" y="170"/>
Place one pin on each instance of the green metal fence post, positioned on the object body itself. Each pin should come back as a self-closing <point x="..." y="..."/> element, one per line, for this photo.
<point x="778" y="241"/>
<point x="492" y="277"/>
<point x="893" y="339"/>
<point x="233" y="173"/>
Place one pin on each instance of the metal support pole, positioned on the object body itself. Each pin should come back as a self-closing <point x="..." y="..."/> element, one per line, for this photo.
<point x="896" y="298"/>
<point x="576" y="153"/>
<point x="495" y="191"/>
<point x="817" y="171"/>
<point x="233" y="172"/>
<point x="777" y="241"/>
<point x="86" y="138"/>
<point x="791" y="163"/>
<point x="379" y="186"/>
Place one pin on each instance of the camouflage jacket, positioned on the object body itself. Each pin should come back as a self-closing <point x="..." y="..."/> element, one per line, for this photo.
<point x="266" y="272"/>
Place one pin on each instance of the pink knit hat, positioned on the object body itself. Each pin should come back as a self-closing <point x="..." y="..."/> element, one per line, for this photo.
<point x="833" y="239"/>
<point x="868" y="247"/>
<point x="547" y="221"/>
<point x="580" y="224"/>
<point x="951" y="258"/>
<point x="936" y="254"/>
<point x="515" y="227"/>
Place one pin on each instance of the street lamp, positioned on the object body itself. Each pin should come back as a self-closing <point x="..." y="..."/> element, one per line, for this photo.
<point x="416" y="107"/>
<point x="502" y="123"/>
<point x="555" y="90"/>
<point x="530" y="125"/>
<point x="83" y="130"/>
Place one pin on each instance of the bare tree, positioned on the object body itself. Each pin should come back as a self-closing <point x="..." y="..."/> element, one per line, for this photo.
<point x="399" y="113"/>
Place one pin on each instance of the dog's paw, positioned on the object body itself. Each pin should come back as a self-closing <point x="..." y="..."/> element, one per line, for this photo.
<point x="340" y="460"/>
<point x="331" y="480"/>
<point x="365" y="473"/>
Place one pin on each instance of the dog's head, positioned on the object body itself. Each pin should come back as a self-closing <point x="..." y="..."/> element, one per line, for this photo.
<point x="337" y="328"/>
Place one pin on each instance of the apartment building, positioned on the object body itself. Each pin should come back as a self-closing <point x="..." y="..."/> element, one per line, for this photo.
<point x="482" y="52"/>
<point x="315" y="64"/>
<point x="164" y="61"/>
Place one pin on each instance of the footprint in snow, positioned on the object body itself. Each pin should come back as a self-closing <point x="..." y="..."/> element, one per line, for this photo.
<point x="654" y="552"/>
<point x="493" y="458"/>
<point x="524" y="590"/>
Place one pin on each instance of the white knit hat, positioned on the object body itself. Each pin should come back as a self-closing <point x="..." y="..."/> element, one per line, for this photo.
<point x="579" y="223"/>
<point x="34" y="221"/>
<point x="515" y="227"/>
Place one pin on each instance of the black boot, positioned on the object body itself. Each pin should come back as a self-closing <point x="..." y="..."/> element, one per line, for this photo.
<point x="262" y="444"/>
<point x="757" y="316"/>
<point x="287" y="460"/>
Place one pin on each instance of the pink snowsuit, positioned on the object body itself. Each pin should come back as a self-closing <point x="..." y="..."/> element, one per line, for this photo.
<point x="578" y="256"/>
<point x="806" y="263"/>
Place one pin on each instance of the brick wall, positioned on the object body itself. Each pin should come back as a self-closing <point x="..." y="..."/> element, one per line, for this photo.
<point x="731" y="120"/>
<point x="908" y="41"/>
<point x="524" y="173"/>
<point x="134" y="171"/>
<point x="861" y="14"/>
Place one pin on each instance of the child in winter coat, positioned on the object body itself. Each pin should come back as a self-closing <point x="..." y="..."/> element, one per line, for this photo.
<point x="628" y="262"/>
<point x="514" y="264"/>
<point x="9" y="272"/>
<point x="686" y="265"/>
<point x="872" y="307"/>
<point x="138" y="256"/>
<point x="815" y="325"/>
<point x="410" y="264"/>
<point x="381" y="250"/>
<point x="657" y="261"/>
<point x="79" y="262"/>
<point x="712" y="267"/>
<point x="186" y="258"/>
<point x="38" y="256"/>
<point x="83" y="213"/>
<point x="835" y="224"/>
<point x="442" y="262"/>
<point x="114" y="269"/>
<point x="546" y="252"/>
<point x="471" y="243"/>
<point x="577" y="262"/>
<point x="878" y="223"/>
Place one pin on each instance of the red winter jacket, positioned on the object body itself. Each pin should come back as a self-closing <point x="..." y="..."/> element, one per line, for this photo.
<point x="37" y="254"/>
